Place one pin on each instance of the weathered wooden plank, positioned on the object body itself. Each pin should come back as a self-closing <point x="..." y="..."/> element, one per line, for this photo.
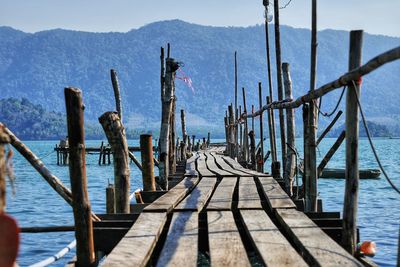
<point x="275" y="195"/>
<point x="235" y="165"/>
<point x="191" y="166"/>
<point x="226" y="247"/>
<point x="318" y="247"/>
<point x="199" y="195"/>
<point x="271" y="245"/>
<point x="137" y="245"/>
<point x="180" y="248"/>
<point x="169" y="200"/>
<point x="212" y="166"/>
<point x="248" y="194"/>
<point x="223" y="165"/>
<point x="222" y="198"/>
<point x="202" y="167"/>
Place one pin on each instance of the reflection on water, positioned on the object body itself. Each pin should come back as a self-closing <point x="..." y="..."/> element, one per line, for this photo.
<point x="36" y="204"/>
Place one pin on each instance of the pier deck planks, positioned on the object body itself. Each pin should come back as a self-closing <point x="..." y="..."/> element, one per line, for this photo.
<point x="248" y="194"/>
<point x="312" y="241"/>
<point x="223" y="165"/>
<point x="235" y="165"/>
<point x="226" y="247"/>
<point x="202" y="167"/>
<point x="137" y="245"/>
<point x="272" y="246"/>
<point x="212" y="166"/>
<point x="181" y="245"/>
<point x="275" y="195"/>
<point x="222" y="197"/>
<point x="199" y="195"/>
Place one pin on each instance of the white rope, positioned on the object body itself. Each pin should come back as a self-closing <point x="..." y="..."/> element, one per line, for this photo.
<point x="56" y="256"/>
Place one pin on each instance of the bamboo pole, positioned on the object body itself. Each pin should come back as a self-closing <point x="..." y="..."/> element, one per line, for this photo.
<point x="279" y="80"/>
<point x="117" y="93"/>
<point x="245" y="129"/>
<point x="290" y="168"/>
<point x="77" y="169"/>
<point x="350" y="205"/>
<point x="331" y="152"/>
<point x="110" y="199"/>
<point x="4" y="139"/>
<point x="329" y="127"/>
<point x="115" y="133"/>
<point x="146" y="148"/>
<point x="261" y="163"/>
<point x="166" y="101"/>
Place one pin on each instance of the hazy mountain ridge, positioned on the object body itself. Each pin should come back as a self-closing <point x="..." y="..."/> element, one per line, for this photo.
<point x="38" y="66"/>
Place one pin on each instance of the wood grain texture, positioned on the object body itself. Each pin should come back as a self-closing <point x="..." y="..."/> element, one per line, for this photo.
<point x="137" y="245"/>
<point x="199" y="195"/>
<point x="318" y="247"/>
<point x="271" y="245"/>
<point x="222" y="198"/>
<point x="202" y="167"/>
<point x="275" y="195"/>
<point x="181" y="245"/>
<point x="226" y="247"/>
<point x="212" y="166"/>
<point x="248" y="194"/>
<point x="169" y="200"/>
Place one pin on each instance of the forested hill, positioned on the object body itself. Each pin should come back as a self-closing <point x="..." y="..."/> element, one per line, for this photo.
<point x="38" y="66"/>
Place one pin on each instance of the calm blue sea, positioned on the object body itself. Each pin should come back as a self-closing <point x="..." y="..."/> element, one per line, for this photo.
<point x="36" y="204"/>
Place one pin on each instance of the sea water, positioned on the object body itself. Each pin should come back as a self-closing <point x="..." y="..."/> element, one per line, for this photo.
<point x="37" y="204"/>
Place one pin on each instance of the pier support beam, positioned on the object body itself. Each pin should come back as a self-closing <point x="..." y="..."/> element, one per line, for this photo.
<point x="146" y="147"/>
<point x="77" y="169"/>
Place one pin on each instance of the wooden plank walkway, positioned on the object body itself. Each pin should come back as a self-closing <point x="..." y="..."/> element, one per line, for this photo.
<point x="217" y="220"/>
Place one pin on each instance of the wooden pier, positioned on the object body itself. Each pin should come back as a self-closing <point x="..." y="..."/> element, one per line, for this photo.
<point x="225" y="215"/>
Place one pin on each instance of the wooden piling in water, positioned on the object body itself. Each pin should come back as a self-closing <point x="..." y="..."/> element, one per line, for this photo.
<point x="290" y="168"/>
<point x="306" y="171"/>
<point x="184" y="134"/>
<point x="350" y="204"/>
<point x="77" y="168"/>
<point x="231" y="132"/>
<point x="4" y="139"/>
<point x="110" y="199"/>
<point x="253" y="149"/>
<point x="117" y="93"/>
<point x="245" y="130"/>
<point x="116" y="136"/>
<point x="146" y="148"/>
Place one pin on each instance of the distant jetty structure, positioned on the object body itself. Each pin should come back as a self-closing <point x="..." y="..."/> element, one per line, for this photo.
<point x="215" y="204"/>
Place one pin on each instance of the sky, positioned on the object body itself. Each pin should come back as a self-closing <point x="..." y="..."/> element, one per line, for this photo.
<point x="373" y="16"/>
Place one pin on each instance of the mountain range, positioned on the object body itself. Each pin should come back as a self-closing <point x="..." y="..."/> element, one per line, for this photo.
<point x="37" y="66"/>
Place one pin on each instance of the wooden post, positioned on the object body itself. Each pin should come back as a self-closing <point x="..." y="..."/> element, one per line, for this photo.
<point x="253" y="149"/>
<point x="236" y="108"/>
<point x="135" y="160"/>
<point x="4" y="139"/>
<point x="117" y="94"/>
<point x="279" y="80"/>
<point x="231" y="132"/>
<point x="252" y="118"/>
<point x="350" y="204"/>
<point x="116" y="136"/>
<point x="271" y="132"/>
<point x="110" y="199"/>
<point x="184" y="134"/>
<point x="226" y="123"/>
<point x="306" y="177"/>
<point x="172" y="137"/>
<point x="101" y="151"/>
<point x="208" y="139"/>
<point x="146" y="148"/>
<point x="331" y="152"/>
<point x="261" y="162"/>
<point x="311" y="203"/>
<point x="290" y="168"/>
<point x="166" y="101"/>
<point x="77" y="169"/>
<point x="58" y="155"/>
<point x="240" y="132"/>
<point x="245" y="130"/>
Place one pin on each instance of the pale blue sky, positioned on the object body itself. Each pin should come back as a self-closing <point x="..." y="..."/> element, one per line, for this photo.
<point x="373" y="16"/>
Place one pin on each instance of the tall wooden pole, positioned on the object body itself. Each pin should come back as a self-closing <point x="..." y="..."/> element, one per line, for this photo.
<point x="4" y="139"/>
<point x="271" y="117"/>
<point x="116" y="136"/>
<point x="245" y="130"/>
<point x="261" y="167"/>
<point x="77" y="169"/>
<point x="146" y="149"/>
<point x="306" y="177"/>
<point x="166" y="101"/>
<point x="290" y="168"/>
<point x="236" y="105"/>
<point x="350" y="205"/>
<point x="240" y="131"/>
<point x="279" y="80"/>
<point x="184" y="135"/>
<point x="311" y="203"/>
<point x="117" y="93"/>
<point x="231" y="132"/>
<point x="172" y="137"/>
<point x="252" y="118"/>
